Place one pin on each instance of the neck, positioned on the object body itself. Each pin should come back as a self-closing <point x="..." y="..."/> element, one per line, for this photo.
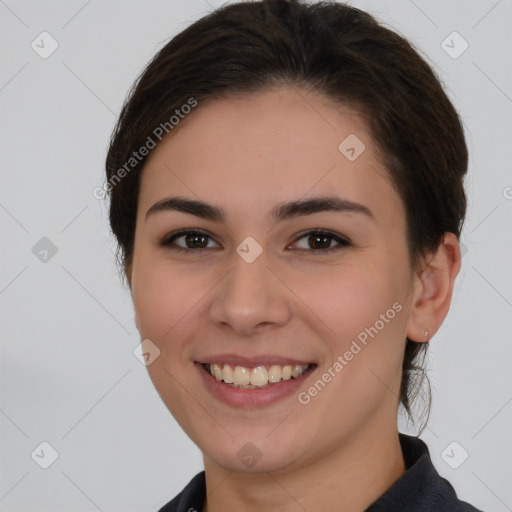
<point x="348" y="478"/>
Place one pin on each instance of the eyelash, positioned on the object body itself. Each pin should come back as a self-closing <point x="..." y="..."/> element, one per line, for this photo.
<point x="168" y="240"/>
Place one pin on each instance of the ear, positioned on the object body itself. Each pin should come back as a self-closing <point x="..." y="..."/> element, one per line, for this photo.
<point x="432" y="290"/>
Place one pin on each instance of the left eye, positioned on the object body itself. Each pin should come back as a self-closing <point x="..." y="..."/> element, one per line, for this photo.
<point x="194" y="240"/>
<point x="317" y="240"/>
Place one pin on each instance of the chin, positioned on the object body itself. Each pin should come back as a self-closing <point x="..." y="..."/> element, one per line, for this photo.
<point x="255" y="454"/>
<point x="251" y="460"/>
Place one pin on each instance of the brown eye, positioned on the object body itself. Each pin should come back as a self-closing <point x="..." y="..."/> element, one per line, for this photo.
<point x="195" y="241"/>
<point x="317" y="241"/>
<point x="320" y="241"/>
<point x="192" y="240"/>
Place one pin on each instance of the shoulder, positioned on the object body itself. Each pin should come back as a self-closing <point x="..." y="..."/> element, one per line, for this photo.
<point x="446" y="499"/>
<point x="191" y="498"/>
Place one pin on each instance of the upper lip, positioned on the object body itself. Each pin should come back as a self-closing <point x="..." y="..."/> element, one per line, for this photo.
<point x="252" y="362"/>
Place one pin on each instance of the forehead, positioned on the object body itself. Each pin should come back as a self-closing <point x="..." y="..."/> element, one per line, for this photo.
<point x="254" y="151"/>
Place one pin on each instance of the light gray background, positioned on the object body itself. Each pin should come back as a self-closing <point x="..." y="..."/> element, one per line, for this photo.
<point x="69" y="376"/>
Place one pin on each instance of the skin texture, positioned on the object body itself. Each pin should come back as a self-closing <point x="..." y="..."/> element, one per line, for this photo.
<point x="246" y="155"/>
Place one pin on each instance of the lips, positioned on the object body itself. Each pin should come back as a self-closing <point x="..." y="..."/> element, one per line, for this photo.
<point x="250" y="396"/>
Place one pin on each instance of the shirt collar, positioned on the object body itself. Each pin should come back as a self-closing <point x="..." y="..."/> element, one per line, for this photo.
<point x="420" y="488"/>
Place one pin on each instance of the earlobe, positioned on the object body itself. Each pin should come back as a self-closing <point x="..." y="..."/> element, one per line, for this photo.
<point x="432" y="291"/>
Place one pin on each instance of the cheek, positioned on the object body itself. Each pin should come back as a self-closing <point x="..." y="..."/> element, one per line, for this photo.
<point x="363" y="321"/>
<point x="165" y="300"/>
<point x="345" y="300"/>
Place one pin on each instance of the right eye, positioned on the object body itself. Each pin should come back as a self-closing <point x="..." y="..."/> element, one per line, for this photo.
<point x="194" y="240"/>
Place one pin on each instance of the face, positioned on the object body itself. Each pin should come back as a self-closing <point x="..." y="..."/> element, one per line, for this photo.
<point x="264" y="282"/>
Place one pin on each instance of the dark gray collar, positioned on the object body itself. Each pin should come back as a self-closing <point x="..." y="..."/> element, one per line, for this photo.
<point x="419" y="489"/>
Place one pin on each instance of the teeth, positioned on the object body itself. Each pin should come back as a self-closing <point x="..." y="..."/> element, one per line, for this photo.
<point x="297" y="371"/>
<point x="226" y="374"/>
<point x="217" y="372"/>
<point x="286" y="373"/>
<point x="241" y="376"/>
<point x="259" y="376"/>
<point x="275" y="373"/>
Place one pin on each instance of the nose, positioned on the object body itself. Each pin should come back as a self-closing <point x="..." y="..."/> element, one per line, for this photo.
<point x="251" y="298"/>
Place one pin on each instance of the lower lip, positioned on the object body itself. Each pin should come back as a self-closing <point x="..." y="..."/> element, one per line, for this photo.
<point x="251" y="398"/>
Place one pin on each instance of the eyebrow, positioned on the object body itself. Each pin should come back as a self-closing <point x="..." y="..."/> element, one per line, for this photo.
<point x="282" y="211"/>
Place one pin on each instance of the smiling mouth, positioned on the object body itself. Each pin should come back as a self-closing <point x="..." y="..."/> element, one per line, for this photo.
<point x="261" y="376"/>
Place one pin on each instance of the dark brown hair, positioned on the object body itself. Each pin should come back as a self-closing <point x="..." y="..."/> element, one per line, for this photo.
<point x="328" y="48"/>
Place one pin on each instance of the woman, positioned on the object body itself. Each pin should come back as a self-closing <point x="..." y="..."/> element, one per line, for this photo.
<point x="291" y="241"/>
